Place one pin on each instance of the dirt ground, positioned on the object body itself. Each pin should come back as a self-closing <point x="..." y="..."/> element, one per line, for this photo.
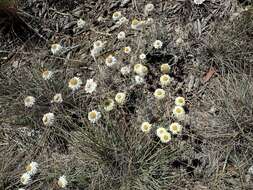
<point x="209" y="48"/>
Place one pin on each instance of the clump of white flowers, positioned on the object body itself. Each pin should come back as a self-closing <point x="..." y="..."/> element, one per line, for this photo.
<point x="165" y="137"/>
<point x="165" y="68"/>
<point x="138" y="79"/>
<point x="158" y="44"/>
<point x="146" y="127"/>
<point x="140" y="69"/>
<point x="159" y="94"/>
<point x="125" y="70"/>
<point x="109" y="105"/>
<point x="165" y="80"/>
<point x="199" y="2"/>
<point x="180" y="101"/>
<point x="142" y="56"/>
<point x="127" y="49"/>
<point x="120" y="98"/>
<point x="179" y="112"/>
<point x="29" y="101"/>
<point x="137" y="25"/>
<point x="32" y="168"/>
<point x="148" y="8"/>
<point x="116" y="15"/>
<point x="57" y="98"/>
<point x="110" y="61"/>
<point x="122" y="20"/>
<point x="62" y="181"/>
<point x="94" y="116"/>
<point x="75" y="83"/>
<point x="48" y="119"/>
<point x="46" y="75"/>
<point x="121" y="35"/>
<point x="97" y="48"/>
<point x="25" y="178"/>
<point x="90" y="86"/>
<point x="175" y="128"/>
<point x="56" y="49"/>
<point x="81" y="23"/>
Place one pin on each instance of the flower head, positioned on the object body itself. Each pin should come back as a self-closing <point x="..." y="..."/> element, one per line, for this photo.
<point x="48" y="119"/>
<point x="97" y="48"/>
<point x="127" y="50"/>
<point x="81" y="23"/>
<point x="165" y="137"/>
<point x="125" y="70"/>
<point x="110" y="61"/>
<point x="121" y="35"/>
<point x="62" y="182"/>
<point x="160" y="131"/>
<point x="199" y="2"/>
<point x="25" y="178"/>
<point x="158" y="44"/>
<point x="122" y="20"/>
<point x="179" y="113"/>
<point x="57" y="98"/>
<point x="116" y="15"/>
<point x="109" y="105"/>
<point x="175" y="128"/>
<point x="140" y="69"/>
<point x="32" y="168"/>
<point x="165" y="68"/>
<point x="137" y="25"/>
<point x="142" y="56"/>
<point x="29" y="101"/>
<point x="94" y="116"/>
<point x="90" y="86"/>
<point x="56" y="49"/>
<point x="148" y="8"/>
<point x="146" y="127"/>
<point x="120" y="98"/>
<point x="165" y="80"/>
<point x="159" y="94"/>
<point x="138" y="79"/>
<point x="46" y="75"/>
<point x="75" y="83"/>
<point x="180" y="101"/>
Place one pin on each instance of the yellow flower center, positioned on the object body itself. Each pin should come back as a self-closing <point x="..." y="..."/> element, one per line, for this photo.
<point x="116" y="14"/>
<point x="54" y="46"/>
<point x="45" y="73"/>
<point x="166" y="137"/>
<point x="45" y="119"/>
<point x="93" y="115"/>
<point x="28" y="168"/>
<point x="135" y="22"/>
<point x="174" y="127"/>
<point x="178" y="110"/>
<point x="73" y="82"/>
<point x="97" y="44"/>
<point x="159" y="93"/>
<point x="146" y="127"/>
<point x="109" y="59"/>
<point x="180" y="100"/>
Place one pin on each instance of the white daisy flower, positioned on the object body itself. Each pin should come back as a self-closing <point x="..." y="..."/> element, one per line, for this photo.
<point x="146" y="127"/>
<point x="121" y="35"/>
<point x="48" y="119"/>
<point x="160" y="131"/>
<point x="81" y="23"/>
<point x="165" y="137"/>
<point x="125" y="70"/>
<point x="120" y="98"/>
<point x="62" y="181"/>
<point x="90" y="86"/>
<point x="180" y="101"/>
<point x="97" y="48"/>
<point x="122" y="20"/>
<point x="46" y="75"/>
<point x="165" y="68"/>
<point x="148" y="8"/>
<point x="29" y="101"/>
<point x="75" y="83"/>
<point x="138" y="79"/>
<point x="179" y="113"/>
<point x="25" y="178"/>
<point x="159" y="94"/>
<point x="175" y="128"/>
<point x="158" y="44"/>
<point x="109" y="105"/>
<point x="165" y="80"/>
<point x="140" y="69"/>
<point x="110" y="61"/>
<point x="116" y="15"/>
<point x="57" y="98"/>
<point x="56" y="49"/>
<point x="137" y="25"/>
<point x="94" y="116"/>
<point x="127" y="50"/>
<point x="32" y="168"/>
<point x="142" y="56"/>
<point x="199" y="2"/>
